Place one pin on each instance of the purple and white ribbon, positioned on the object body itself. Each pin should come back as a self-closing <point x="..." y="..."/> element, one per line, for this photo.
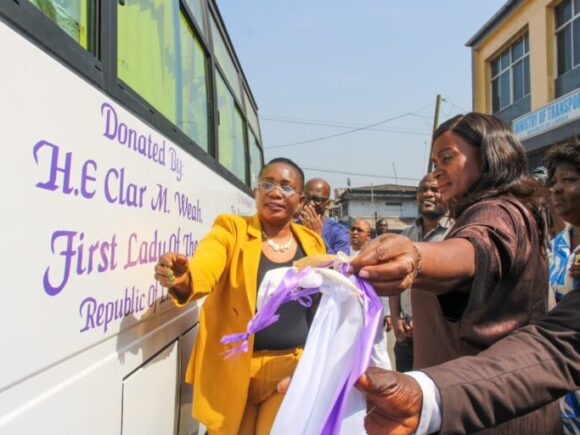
<point x="288" y="290"/>
<point x="337" y="350"/>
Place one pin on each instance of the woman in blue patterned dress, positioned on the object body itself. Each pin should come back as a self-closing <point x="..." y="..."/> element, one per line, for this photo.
<point x="564" y="170"/>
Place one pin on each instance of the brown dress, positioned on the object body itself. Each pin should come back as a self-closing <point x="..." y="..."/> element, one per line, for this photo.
<point x="509" y="290"/>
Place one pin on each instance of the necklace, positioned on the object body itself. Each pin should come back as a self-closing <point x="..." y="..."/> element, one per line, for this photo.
<point x="277" y="247"/>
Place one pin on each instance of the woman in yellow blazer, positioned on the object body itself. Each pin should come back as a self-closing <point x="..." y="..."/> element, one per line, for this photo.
<point x="238" y="395"/>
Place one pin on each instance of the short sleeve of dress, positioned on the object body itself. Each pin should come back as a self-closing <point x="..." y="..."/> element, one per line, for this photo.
<point x="497" y="229"/>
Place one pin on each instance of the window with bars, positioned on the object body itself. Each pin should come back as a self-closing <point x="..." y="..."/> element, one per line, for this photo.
<point x="510" y="74"/>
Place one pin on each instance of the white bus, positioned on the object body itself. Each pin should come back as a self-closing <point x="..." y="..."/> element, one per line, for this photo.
<point x="127" y="127"/>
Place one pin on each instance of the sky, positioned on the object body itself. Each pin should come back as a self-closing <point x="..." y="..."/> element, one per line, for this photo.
<point x="347" y="88"/>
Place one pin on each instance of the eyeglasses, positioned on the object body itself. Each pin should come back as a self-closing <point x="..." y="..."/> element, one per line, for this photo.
<point x="316" y="199"/>
<point x="285" y="189"/>
<point x="357" y="230"/>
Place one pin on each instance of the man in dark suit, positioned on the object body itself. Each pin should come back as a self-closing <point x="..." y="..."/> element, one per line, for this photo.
<point x="526" y="370"/>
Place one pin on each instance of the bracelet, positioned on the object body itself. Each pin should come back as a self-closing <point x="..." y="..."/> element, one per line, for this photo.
<point x="419" y="267"/>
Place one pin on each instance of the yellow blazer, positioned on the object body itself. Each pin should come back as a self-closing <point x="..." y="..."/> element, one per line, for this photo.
<point x="225" y="267"/>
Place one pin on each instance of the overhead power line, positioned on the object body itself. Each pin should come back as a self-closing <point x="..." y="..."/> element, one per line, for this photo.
<point x="453" y="109"/>
<point x="400" y="130"/>
<point x="352" y="124"/>
<point x="330" y="171"/>
<point x="354" y="130"/>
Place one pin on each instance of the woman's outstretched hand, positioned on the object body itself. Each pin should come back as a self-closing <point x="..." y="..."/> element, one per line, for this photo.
<point x="394" y="402"/>
<point x="172" y="271"/>
<point x="390" y="263"/>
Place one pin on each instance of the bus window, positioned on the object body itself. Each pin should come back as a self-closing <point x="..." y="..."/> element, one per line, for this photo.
<point x="231" y="133"/>
<point x="251" y="115"/>
<point x="194" y="115"/>
<point x="161" y="59"/>
<point x="255" y="159"/>
<point x="196" y="8"/>
<point x="73" y="16"/>
<point x="224" y="58"/>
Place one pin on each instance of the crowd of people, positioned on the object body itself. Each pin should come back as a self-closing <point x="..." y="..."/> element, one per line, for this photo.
<point x="468" y="285"/>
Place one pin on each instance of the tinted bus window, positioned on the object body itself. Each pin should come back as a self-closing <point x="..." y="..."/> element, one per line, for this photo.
<point x="224" y="58"/>
<point x="194" y="114"/>
<point x="231" y="133"/>
<point x="251" y="115"/>
<point x="162" y="60"/>
<point x="73" y="16"/>
<point x="255" y="159"/>
<point x="196" y="8"/>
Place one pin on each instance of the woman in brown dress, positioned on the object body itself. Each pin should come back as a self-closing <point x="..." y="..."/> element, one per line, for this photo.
<point x="489" y="276"/>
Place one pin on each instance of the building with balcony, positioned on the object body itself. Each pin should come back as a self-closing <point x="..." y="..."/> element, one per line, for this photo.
<point x="526" y="70"/>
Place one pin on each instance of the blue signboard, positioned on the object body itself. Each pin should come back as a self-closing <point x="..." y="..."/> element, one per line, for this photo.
<point x="559" y="112"/>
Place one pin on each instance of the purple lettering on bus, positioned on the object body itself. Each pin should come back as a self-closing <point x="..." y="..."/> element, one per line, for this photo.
<point x="64" y="168"/>
<point x="68" y="253"/>
<point x="99" y="255"/>
<point x="111" y="120"/>
<point x="119" y="131"/>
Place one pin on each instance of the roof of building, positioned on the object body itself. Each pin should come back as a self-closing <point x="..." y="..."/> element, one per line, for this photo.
<point x="384" y="188"/>
<point x="494" y="21"/>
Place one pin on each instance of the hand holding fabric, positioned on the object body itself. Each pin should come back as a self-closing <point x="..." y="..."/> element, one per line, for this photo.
<point x="394" y="402"/>
<point x="390" y="263"/>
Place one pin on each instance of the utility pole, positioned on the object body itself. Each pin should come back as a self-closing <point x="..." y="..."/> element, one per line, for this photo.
<point x="395" y="172"/>
<point x="435" y="125"/>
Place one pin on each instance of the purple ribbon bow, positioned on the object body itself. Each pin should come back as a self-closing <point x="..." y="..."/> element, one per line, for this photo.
<point x="287" y="291"/>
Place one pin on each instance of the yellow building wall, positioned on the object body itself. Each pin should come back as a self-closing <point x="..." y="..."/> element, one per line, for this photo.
<point x="537" y="17"/>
